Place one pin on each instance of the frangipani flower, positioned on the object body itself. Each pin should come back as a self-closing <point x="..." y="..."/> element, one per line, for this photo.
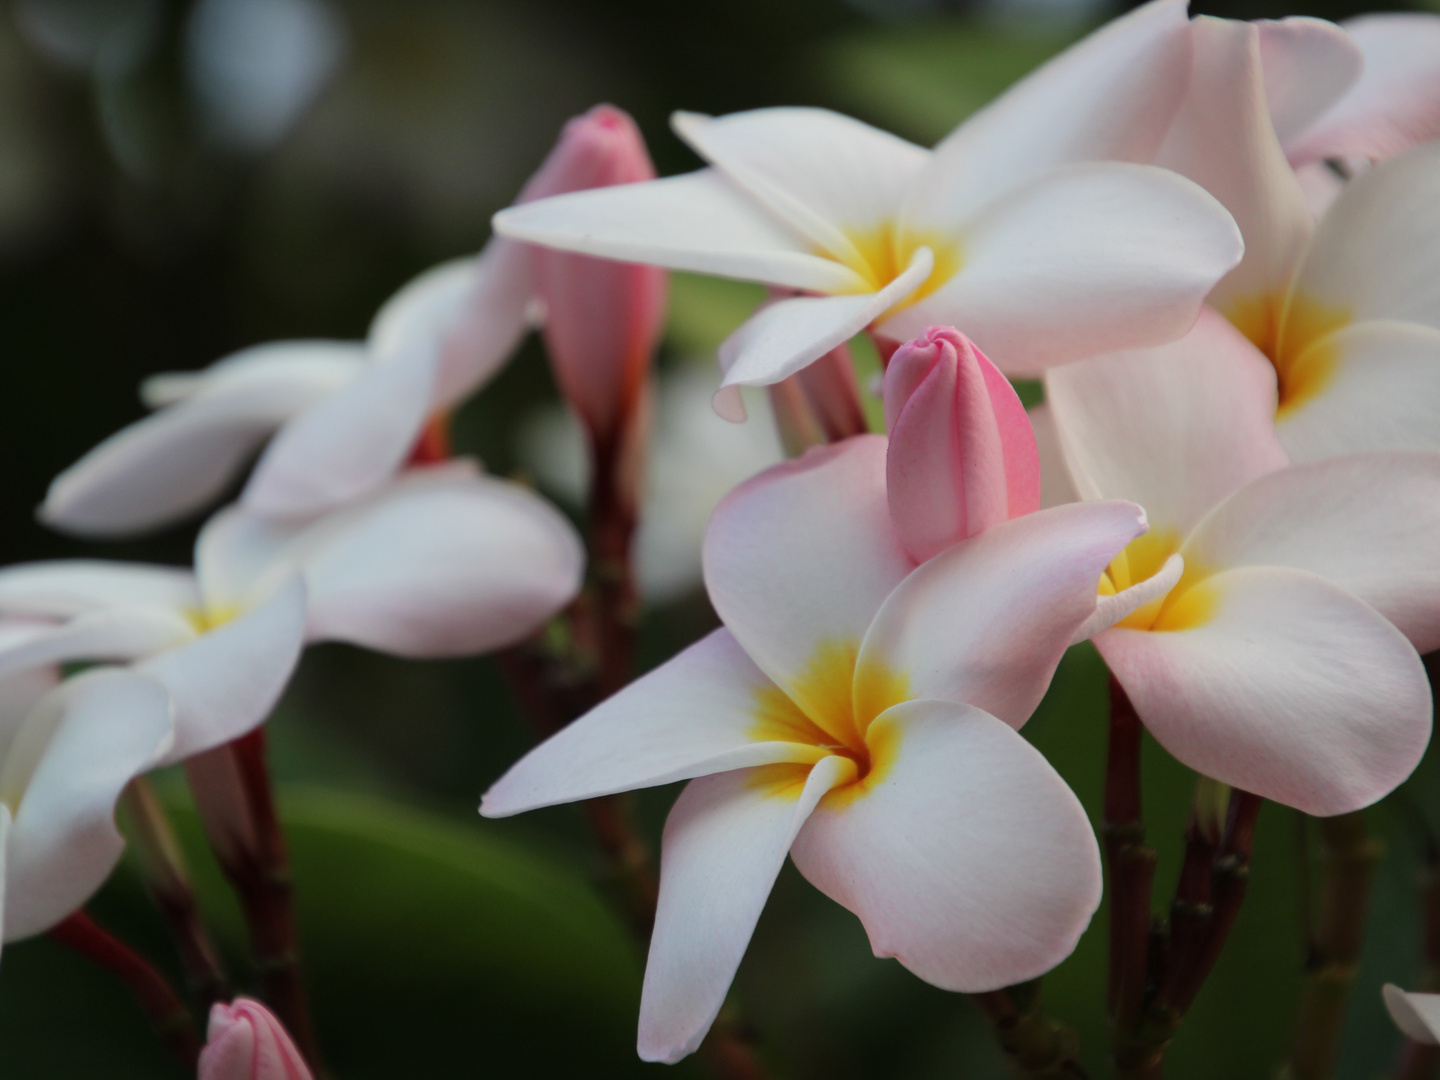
<point x="1258" y="618"/>
<point x="1011" y="228"/>
<point x="65" y="755"/>
<point x="1417" y="1015"/>
<point x="246" y="1042"/>
<point x="441" y="562"/>
<point x="858" y="713"/>
<point x="1347" y="311"/>
<point x="337" y="419"/>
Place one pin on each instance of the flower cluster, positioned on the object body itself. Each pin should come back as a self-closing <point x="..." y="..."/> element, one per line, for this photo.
<point x="1218" y="245"/>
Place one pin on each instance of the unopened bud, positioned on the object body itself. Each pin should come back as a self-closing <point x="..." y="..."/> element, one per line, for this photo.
<point x="246" y="1042"/>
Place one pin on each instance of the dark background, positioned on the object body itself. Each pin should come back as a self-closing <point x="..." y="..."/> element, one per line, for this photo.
<point x="139" y="233"/>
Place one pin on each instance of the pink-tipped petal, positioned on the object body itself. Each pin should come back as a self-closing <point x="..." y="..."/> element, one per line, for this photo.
<point x="696" y="714"/>
<point x="724" y="843"/>
<point x="246" y="1042"/>
<point x="970" y="861"/>
<point x="962" y="456"/>
<point x="1280" y="683"/>
<point x="986" y="621"/>
<point x="1367" y="522"/>
<point x="1416" y="1015"/>
<point x="1309" y="64"/>
<point x="803" y="555"/>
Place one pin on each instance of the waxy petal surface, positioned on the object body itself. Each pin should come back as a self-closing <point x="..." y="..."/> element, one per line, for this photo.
<point x="1309" y="65"/>
<point x="970" y="861"/>
<point x="803" y="555"/>
<point x="985" y="622"/>
<point x="62" y="588"/>
<point x="113" y="634"/>
<point x="1367" y="522"/>
<point x="1282" y="684"/>
<point x="1087" y="259"/>
<point x="724" y="844"/>
<point x="696" y="714"/>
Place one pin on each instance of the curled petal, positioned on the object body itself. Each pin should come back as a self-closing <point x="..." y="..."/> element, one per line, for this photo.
<point x="1309" y="64"/>
<point x="1110" y="610"/>
<point x="63" y="588"/>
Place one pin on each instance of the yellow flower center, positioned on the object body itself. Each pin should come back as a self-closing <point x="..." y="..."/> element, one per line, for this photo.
<point x="1293" y="331"/>
<point x="1189" y="604"/>
<point x="205" y="619"/>
<point x="832" y="706"/>
<point x="882" y="252"/>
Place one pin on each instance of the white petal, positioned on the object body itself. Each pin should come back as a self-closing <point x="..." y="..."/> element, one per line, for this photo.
<point x="1416" y="1015"/>
<point x="1367" y="522"/>
<point x="1087" y="259"/>
<point x="1376" y="254"/>
<point x="1280" y="683"/>
<point x="817" y="170"/>
<point x="1110" y="610"/>
<point x="986" y="621"/>
<point x="699" y="222"/>
<point x="1396" y="102"/>
<point x="1309" y="64"/>
<point x="65" y="587"/>
<point x="1109" y="98"/>
<point x="110" y="634"/>
<point x="162" y="469"/>
<point x="803" y="555"/>
<point x="1224" y="140"/>
<point x="225" y="682"/>
<point x="970" y="861"/>
<point x="1379" y="390"/>
<point x="347" y="445"/>
<point x="701" y="712"/>
<point x="783" y="337"/>
<point x="1056" y="487"/>
<point x="725" y="841"/>
<point x="1176" y="428"/>
<point x="81" y="746"/>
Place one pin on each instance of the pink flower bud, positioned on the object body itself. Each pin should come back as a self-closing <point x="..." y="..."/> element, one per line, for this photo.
<point x="603" y="318"/>
<point x="962" y="455"/>
<point x="246" y="1042"/>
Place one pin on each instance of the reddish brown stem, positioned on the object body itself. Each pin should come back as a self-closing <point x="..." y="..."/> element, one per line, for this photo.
<point x="153" y="992"/>
<point x="616" y="606"/>
<point x="833" y="395"/>
<point x="1131" y="862"/>
<point x="1036" y="1045"/>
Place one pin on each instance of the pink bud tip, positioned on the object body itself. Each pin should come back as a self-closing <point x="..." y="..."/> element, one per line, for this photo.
<point x="962" y="453"/>
<point x="246" y="1042"/>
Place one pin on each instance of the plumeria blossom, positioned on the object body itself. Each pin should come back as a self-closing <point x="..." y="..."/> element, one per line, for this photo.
<point x="441" y="562"/>
<point x="336" y="419"/>
<point x="1417" y="1015"/>
<point x="858" y="713"/>
<point x="66" y="753"/>
<point x="1029" y="226"/>
<point x="1263" y="621"/>
<point x="1346" y="310"/>
<point x="246" y="1042"/>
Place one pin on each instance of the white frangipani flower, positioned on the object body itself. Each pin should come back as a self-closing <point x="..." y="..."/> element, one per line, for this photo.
<point x="1028" y="227"/>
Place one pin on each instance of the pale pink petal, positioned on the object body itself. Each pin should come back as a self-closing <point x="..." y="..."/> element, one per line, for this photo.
<point x="1394" y="105"/>
<point x="783" y="337"/>
<point x="701" y="712"/>
<point x="1367" y="522"/>
<point x="803" y="555"/>
<point x="1087" y="259"/>
<point x="1380" y="389"/>
<point x="225" y="682"/>
<point x="1224" y="140"/>
<point x="1321" y="186"/>
<point x="986" y="621"/>
<point x="122" y="633"/>
<point x="819" y="171"/>
<point x="724" y="843"/>
<point x="1416" y="1015"/>
<point x="79" y="748"/>
<point x="1175" y="428"/>
<point x="1110" y="610"/>
<point x="1056" y="487"/>
<point x="66" y="587"/>
<point x="970" y="861"/>
<point x="1280" y="683"/>
<point x="245" y="1041"/>
<point x="1309" y="64"/>
<point x="166" y="467"/>
<point x="1376" y="254"/>
<point x="700" y="222"/>
<point x="348" y="444"/>
<point x="1109" y="98"/>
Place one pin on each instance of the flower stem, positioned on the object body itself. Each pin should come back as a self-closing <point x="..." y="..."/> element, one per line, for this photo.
<point x="1035" y="1044"/>
<point x="1420" y="1060"/>
<point x="233" y="793"/>
<point x="162" y="866"/>
<point x="1351" y="855"/>
<point x="1131" y="863"/>
<point x="613" y="516"/>
<point x="153" y="992"/>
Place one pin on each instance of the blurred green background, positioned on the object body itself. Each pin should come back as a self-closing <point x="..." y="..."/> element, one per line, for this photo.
<point x="180" y="180"/>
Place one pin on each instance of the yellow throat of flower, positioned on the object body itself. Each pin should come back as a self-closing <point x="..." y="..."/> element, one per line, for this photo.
<point x="833" y="708"/>
<point x="1189" y="604"/>
<point x="882" y="252"/>
<point x="1293" y="331"/>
